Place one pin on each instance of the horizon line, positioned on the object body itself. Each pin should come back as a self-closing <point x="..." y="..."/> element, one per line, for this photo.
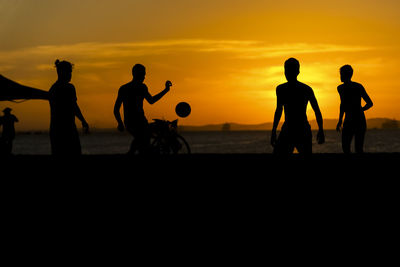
<point x="219" y="125"/>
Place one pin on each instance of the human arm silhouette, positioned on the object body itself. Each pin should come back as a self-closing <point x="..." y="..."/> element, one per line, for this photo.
<point x="117" y="114"/>
<point x="153" y="99"/>
<point x="77" y="110"/>
<point x="318" y="117"/>
<point x="341" y="114"/>
<point x="79" y="115"/>
<point x="341" y="111"/>
<point x="277" y="118"/>
<point x="367" y="99"/>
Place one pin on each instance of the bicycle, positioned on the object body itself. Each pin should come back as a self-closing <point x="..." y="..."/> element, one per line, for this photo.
<point x="164" y="138"/>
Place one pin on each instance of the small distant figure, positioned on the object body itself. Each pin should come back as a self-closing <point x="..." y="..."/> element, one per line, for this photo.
<point x="8" y="135"/>
<point x="132" y="95"/>
<point x="64" y="108"/>
<point x="293" y="97"/>
<point x="350" y="105"/>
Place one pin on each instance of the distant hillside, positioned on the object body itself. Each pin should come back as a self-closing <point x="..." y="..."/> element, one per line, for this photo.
<point x="329" y="124"/>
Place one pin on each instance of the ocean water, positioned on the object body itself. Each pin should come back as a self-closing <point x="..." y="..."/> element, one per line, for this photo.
<point x="207" y="142"/>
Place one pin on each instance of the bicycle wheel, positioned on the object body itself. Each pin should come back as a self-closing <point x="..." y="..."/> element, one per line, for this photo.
<point x="183" y="147"/>
<point x="157" y="145"/>
<point x="177" y="145"/>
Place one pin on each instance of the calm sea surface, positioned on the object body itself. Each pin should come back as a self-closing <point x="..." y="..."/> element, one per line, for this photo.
<point x="207" y="142"/>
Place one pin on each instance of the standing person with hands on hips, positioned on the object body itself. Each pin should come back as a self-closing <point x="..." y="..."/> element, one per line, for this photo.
<point x="355" y="123"/>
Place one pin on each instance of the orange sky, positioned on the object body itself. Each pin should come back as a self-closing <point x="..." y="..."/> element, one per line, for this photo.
<point x="225" y="58"/>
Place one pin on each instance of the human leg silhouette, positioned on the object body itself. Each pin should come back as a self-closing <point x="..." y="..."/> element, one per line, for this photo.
<point x="347" y="136"/>
<point x="284" y="144"/>
<point x="305" y="146"/>
<point x="141" y="138"/>
<point x="359" y="138"/>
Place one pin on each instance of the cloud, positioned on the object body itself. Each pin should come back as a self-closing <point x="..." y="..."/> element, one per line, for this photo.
<point x="83" y="64"/>
<point x="252" y="50"/>
<point x="97" y="59"/>
<point x="321" y="77"/>
<point x="246" y="49"/>
<point x="107" y="50"/>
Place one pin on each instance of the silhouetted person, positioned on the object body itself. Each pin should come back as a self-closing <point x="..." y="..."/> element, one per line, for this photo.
<point x="132" y="95"/>
<point x="293" y="97"/>
<point x="64" y="135"/>
<point x="350" y="105"/>
<point x="8" y="135"/>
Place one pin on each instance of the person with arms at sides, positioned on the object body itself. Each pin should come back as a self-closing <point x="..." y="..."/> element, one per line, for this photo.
<point x="64" y="137"/>
<point x="292" y="98"/>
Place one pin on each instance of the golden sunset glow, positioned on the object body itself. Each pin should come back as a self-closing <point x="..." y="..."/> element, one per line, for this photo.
<point x="225" y="58"/>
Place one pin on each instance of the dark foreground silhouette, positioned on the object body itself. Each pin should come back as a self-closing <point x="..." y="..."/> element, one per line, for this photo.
<point x="293" y="98"/>
<point x="227" y="204"/>
<point x="222" y="167"/>
<point x="355" y="124"/>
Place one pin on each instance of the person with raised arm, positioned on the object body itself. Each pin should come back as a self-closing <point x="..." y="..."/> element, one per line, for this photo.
<point x="131" y="96"/>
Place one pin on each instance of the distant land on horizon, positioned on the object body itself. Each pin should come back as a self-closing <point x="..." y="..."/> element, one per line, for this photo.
<point x="329" y="124"/>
